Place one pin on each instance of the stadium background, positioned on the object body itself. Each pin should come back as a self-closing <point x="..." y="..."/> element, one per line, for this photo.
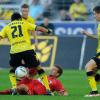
<point x="68" y="47"/>
<point x="73" y="50"/>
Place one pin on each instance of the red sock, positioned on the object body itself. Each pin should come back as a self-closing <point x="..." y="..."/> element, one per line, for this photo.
<point x="5" y="92"/>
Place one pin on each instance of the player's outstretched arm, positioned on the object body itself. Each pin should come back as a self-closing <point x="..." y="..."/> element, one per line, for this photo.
<point x="89" y="34"/>
<point x="44" y="30"/>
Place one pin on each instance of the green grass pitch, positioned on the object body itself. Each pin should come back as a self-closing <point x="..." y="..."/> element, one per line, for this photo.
<point x="74" y="81"/>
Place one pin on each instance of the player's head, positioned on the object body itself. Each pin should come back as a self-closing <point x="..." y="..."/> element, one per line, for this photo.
<point x="77" y="1"/>
<point x="16" y="16"/>
<point x="56" y="71"/>
<point x="96" y="11"/>
<point x="25" y="10"/>
<point x="22" y="89"/>
<point x="46" y="21"/>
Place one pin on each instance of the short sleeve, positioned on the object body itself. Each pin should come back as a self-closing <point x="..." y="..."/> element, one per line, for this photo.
<point x="31" y="27"/>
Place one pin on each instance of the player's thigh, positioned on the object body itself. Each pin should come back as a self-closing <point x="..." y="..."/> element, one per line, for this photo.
<point x="91" y="65"/>
<point x="97" y="60"/>
<point x="15" y="60"/>
<point x="30" y="59"/>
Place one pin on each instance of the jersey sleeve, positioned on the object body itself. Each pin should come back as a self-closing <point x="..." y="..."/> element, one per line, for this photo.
<point x="3" y="32"/>
<point x="31" y="27"/>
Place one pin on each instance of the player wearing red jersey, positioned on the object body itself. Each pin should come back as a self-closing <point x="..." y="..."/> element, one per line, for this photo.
<point x="54" y="83"/>
<point x="30" y="86"/>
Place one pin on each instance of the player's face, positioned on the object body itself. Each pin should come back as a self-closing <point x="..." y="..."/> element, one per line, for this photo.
<point x="97" y="16"/>
<point x="25" y="12"/>
<point x="77" y="1"/>
<point x="46" y="21"/>
<point x="54" y="72"/>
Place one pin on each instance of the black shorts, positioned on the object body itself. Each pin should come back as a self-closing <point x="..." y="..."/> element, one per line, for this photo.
<point x="96" y="58"/>
<point x="29" y="58"/>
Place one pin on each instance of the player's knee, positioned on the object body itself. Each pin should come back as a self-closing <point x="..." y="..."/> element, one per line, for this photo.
<point x="90" y="73"/>
<point x="34" y="64"/>
<point x="90" y="66"/>
<point x="87" y="68"/>
<point x="37" y="63"/>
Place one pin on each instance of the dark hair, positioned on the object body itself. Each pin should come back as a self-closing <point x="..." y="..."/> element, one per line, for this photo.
<point x="24" y="6"/>
<point x="60" y="70"/>
<point x="96" y="9"/>
<point x="15" y="16"/>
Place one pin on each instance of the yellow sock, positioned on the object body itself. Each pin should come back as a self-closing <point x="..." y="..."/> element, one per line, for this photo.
<point x="13" y="81"/>
<point x="92" y="83"/>
<point x="45" y="80"/>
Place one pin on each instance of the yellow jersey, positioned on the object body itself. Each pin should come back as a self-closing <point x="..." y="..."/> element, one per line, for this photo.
<point x="98" y="33"/>
<point x="18" y="35"/>
<point x="29" y="19"/>
<point x="80" y="8"/>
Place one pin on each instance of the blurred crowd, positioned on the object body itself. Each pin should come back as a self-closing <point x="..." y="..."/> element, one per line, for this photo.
<point x="58" y="10"/>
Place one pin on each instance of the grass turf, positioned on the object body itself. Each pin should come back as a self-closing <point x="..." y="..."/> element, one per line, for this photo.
<point x="74" y="81"/>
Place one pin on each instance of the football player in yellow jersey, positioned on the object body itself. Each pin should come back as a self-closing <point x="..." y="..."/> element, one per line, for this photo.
<point x="26" y="17"/>
<point x="17" y="32"/>
<point x="94" y="64"/>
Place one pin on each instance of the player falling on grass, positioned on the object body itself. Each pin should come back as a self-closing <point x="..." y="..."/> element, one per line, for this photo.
<point x="17" y="32"/>
<point x="29" y="86"/>
<point x="94" y="64"/>
<point x="54" y="83"/>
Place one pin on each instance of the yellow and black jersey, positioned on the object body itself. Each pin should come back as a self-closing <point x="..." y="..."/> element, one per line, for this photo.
<point x="29" y="19"/>
<point x="19" y="36"/>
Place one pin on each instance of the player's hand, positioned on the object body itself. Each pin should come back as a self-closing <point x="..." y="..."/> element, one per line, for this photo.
<point x="84" y="32"/>
<point x="89" y="34"/>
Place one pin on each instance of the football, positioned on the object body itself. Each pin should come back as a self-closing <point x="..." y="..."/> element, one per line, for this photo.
<point x="21" y="72"/>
